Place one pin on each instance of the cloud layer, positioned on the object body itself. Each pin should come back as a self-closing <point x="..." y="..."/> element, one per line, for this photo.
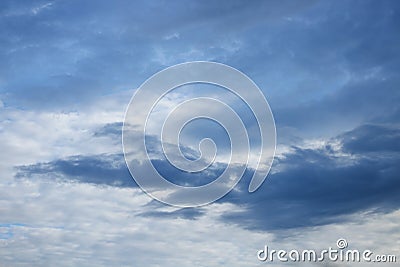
<point x="68" y="69"/>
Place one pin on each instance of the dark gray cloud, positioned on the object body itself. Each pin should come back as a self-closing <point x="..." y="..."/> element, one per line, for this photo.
<point x="101" y="169"/>
<point x="372" y="138"/>
<point x="317" y="186"/>
<point x="311" y="187"/>
<point x="109" y="169"/>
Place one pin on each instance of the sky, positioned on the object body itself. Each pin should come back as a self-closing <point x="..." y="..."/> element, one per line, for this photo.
<point x="329" y="70"/>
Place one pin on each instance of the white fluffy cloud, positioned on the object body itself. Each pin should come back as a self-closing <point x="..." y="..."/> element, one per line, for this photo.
<point x="79" y="224"/>
<point x="76" y="224"/>
<point x="34" y="136"/>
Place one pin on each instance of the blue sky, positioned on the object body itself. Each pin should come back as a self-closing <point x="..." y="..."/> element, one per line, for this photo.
<point x="329" y="70"/>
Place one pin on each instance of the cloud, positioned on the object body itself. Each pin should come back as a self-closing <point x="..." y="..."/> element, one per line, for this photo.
<point x="31" y="136"/>
<point x="372" y="138"/>
<point x="67" y="70"/>
<point x="85" y="224"/>
<point x="101" y="169"/>
<point x="321" y="185"/>
<point x="356" y="103"/>
<point x="308" y="186"/>
<point x="67" y="49"/>
<point x="110" y="129"/>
